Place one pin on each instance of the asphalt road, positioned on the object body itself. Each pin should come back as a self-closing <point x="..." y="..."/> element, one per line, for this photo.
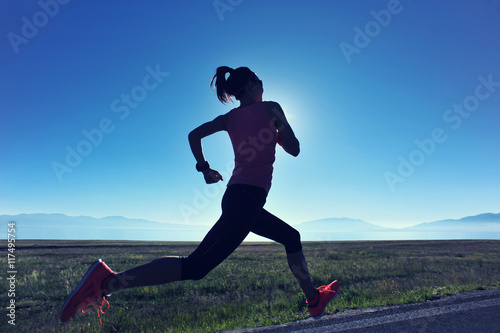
<point x="477" y="312"/>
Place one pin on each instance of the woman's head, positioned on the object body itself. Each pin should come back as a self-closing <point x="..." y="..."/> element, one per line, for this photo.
<point x="236" y="84"/>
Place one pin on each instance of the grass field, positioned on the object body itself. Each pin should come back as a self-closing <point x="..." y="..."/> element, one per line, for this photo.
<point x="253" y="287"/>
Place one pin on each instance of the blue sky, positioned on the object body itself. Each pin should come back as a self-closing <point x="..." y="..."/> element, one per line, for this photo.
<point x="396" y="105"/>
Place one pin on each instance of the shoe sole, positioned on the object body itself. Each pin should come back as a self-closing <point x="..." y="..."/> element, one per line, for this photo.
<point x="87" y="274"/>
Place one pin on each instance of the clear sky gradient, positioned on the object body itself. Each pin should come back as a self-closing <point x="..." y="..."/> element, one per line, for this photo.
<point x="396" y="105"/>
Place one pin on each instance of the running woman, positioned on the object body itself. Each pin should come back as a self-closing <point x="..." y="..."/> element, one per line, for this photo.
<point x="255" y="127"/>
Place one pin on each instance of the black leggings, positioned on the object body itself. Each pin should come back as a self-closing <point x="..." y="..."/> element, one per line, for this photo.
<point x="242" y="213"/>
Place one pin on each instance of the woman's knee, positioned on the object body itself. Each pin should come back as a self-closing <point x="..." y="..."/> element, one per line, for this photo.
<point x="293" y="243"/>
<point x="195" y="275"/>
<point x="192" y="270"/>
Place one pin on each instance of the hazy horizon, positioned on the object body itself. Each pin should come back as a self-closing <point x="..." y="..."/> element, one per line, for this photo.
<point x="210" y="223"/>
<point x="63" y="227"/>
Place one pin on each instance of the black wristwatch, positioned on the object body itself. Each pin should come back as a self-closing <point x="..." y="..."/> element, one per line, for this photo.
<point x="204" y="166"/>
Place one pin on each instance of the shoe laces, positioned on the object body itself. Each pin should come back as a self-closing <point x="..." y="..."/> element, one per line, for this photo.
<point x="98" y="307"/>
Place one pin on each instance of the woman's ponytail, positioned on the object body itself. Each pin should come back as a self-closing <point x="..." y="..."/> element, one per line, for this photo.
<point x="221" y="83"/>
<point x="233" y="86"/>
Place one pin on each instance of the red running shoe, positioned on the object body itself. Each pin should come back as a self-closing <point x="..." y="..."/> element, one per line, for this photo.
<point x="89" y="292"/>
<point x="324" y="295"/>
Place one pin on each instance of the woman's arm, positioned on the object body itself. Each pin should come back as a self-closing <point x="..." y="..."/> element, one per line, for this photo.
<point x="195" y="136"/>
<point x="286" y="136"/>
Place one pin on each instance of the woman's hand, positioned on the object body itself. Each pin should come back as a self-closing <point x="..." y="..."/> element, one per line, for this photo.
<point x="212" y="176"/>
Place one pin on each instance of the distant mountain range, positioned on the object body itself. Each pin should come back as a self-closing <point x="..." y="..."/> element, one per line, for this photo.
<point x="60" y="226"/>
<point x="482" y="222"/>
<point x="483" y="226"/>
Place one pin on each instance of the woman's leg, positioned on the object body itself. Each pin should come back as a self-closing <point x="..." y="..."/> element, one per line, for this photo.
<point x="271" y="227"/>
<point x="159" y="271"/>
<point x="298" y="266"/>
<point x="240" y="208"/>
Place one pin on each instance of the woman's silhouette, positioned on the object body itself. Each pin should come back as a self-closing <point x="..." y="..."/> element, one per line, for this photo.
<point x="255" y="127"/>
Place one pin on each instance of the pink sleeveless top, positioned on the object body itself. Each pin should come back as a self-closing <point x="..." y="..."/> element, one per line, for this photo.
<point x="254" y="138"/>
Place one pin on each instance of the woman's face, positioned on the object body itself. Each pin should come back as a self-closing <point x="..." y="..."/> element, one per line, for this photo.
<point x="256" y="86"/>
